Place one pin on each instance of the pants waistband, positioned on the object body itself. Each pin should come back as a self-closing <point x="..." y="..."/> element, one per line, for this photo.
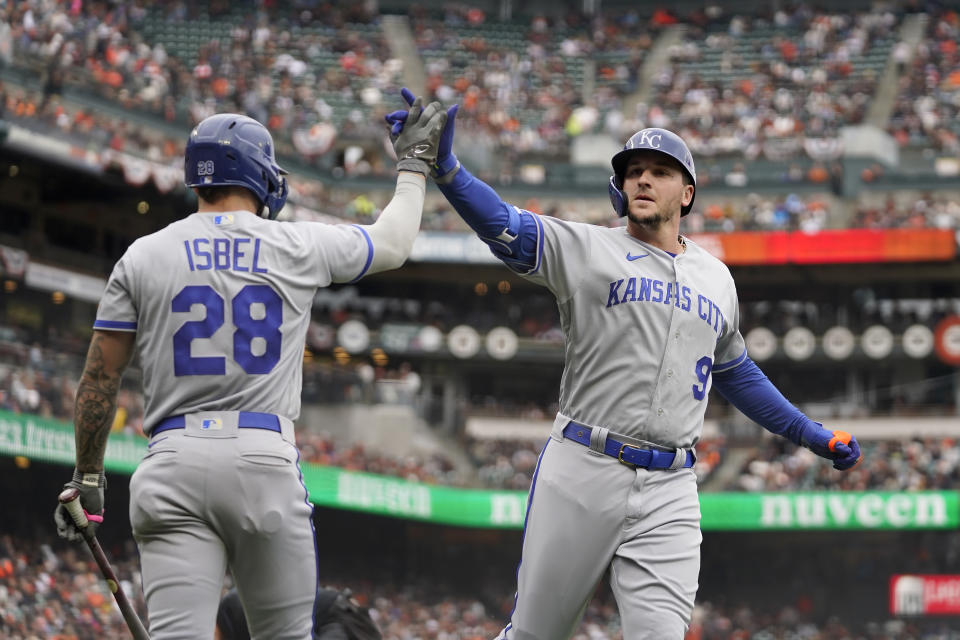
<point x="628" y="454"/>
<point x="245" y="420"/>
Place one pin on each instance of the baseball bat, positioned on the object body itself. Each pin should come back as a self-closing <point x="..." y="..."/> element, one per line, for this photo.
<point x="68" y="498"/>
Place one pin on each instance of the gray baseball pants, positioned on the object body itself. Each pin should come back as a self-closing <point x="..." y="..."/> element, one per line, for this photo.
<point x="587" y="512"/>
<point x="203" y="501"/>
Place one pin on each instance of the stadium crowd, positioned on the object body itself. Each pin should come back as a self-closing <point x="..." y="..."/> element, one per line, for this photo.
<point x="712" y="622"/>
<point x="520" y="84"/>
<point x="771" y="84"/>
<point x="752" y="211"/>
<point x="915" y="464"/>
<point x="755" y="212"/>
<point x="435" y="468"/>
<point x="928" y="102"/>
<point x="933" y="211"/>
<point x="282" y="65"/>
<point x="53" y="591"/>
<point x="318" y="73"/>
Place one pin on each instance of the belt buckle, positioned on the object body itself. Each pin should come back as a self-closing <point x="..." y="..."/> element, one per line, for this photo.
<point x="620" y="455"/>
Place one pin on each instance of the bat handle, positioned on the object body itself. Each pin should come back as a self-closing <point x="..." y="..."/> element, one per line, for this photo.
<point x="68" y="498"/>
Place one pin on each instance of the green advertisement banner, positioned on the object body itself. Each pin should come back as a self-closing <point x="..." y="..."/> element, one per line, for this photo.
<point x="385" y="495"/>
<point x="52" y="441"/>
<point x="830" y="510"/>
<point x="333" y="487"/>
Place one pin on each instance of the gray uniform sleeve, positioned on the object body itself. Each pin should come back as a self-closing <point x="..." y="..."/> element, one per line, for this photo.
<point x="731" y="349"/>
<point x="564" y="250"/>
<point x="342" y="252"/>
<point x="118" y="309"/>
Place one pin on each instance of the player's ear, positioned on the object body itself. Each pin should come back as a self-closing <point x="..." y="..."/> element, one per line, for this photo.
<point x="687" y="196"/>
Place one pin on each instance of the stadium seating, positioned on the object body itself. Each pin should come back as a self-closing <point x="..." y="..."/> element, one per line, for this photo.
<point x="49" y="589"/>
<point x="924" y="118"/>
<point x="917" y="464"/>
<point x="739" y="87"/>
<point x="758" y="86"/>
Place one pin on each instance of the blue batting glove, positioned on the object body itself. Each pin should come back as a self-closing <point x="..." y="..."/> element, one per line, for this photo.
<point x="396" y="120"/>
<point x="839" y="446"/>
<point x="447" y="164"/>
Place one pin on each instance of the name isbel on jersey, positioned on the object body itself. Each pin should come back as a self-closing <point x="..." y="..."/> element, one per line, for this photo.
<point x="634" y="289"/>
<point x="238" y="254"/>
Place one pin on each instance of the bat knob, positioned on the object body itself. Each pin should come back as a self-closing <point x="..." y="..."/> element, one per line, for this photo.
<point x="69" y="495"/>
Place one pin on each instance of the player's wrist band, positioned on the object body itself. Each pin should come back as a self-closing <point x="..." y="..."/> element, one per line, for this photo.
<point x="630" y="454"/>
<point x="444" y="170"/>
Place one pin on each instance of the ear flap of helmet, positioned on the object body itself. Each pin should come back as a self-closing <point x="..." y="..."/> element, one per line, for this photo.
<point x="617" y="197"/>
<point x="276" y="197"/>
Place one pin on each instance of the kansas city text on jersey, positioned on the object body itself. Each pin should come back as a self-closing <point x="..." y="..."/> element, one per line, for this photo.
<point x="221" y="253"/>
<point x="652" y="290"/>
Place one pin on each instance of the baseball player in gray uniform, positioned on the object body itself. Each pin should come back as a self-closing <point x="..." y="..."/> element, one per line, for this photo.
<point x="217" y="306"/>
<point x="650" y="322"/>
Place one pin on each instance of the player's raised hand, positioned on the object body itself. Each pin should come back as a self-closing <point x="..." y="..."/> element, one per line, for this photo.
<point x="417" y="142"/>
<point x="91" y="487"/>
<point x="839" y="446"/>
<point x="446" y="164"/>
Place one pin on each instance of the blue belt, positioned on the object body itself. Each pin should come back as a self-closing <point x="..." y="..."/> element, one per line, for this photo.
<point x="246" y="420"/>
<point x="629" y="454"/>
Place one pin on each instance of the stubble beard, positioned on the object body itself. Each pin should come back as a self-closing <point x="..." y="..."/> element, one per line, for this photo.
<point x="653" y="220"/>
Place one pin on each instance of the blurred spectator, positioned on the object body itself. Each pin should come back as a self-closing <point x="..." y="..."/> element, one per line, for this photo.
<point x="48" y="590"/>
<point x="55" y="592"/>
<point x="918" y="464"/>
<point x="941" y="211"/>
<point x="755" y="212"/>
<point x="776" y="85"/>
<point x="926" y="109"/>
<point x="770" y="85"/>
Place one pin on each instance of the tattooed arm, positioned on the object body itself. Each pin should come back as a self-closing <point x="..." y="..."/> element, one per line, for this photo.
<point x="96" y="403"/>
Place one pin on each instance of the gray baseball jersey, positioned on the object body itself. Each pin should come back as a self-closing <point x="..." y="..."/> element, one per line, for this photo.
<point x="643" y="332"/>
<point x="220" y="303"/>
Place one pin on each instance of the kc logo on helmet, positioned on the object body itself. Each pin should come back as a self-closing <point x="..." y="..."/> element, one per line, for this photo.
<point x="649" y="139"/>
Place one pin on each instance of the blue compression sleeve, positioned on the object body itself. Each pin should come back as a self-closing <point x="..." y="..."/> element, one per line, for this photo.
<point x="513" y="235"/>
<point x="750" y="391"/>
<point x="477" y="203"/>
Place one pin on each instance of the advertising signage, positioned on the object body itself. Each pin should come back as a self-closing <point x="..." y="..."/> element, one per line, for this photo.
<point x="834" y="246"/>
<point x="37" y="438"/>
<point x="925" y="595"/>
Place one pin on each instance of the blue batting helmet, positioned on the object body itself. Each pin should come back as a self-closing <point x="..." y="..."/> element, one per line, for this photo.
<point x="228" y="149"/>
<point x="654" y="139"/>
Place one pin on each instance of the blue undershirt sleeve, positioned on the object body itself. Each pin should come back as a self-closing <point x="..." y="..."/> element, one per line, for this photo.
<point x="749" y="390"/>
<point x="511" y="233"/>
